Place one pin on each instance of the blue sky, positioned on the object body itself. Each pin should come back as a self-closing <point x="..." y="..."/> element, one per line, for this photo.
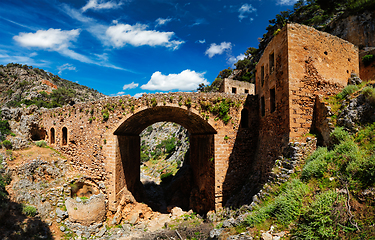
<point x="133" y="46"/>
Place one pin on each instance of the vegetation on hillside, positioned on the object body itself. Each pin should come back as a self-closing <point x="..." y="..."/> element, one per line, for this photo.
<point x="22" y="84"/>
<point x="331" y="195"/>
<point x="314" y="13"/>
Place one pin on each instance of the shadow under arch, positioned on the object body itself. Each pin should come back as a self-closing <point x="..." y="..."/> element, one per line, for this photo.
<point x="202" y="195"/>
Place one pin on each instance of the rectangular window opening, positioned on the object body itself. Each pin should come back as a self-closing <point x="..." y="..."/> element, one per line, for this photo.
<point x="262" y="109"/>
<point x="272" y="100"/>
<point x="246" y="91"/>
<point x="272" y="62"/>
<point x="234" y="90"/>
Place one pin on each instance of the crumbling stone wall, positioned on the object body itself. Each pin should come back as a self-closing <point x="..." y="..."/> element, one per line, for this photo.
<point x="319" y="63"/>
<point x="234" y="86"/>
<point x="96" y="143"/>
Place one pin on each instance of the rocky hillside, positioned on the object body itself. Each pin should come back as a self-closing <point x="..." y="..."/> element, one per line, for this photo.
<point x="22" y="84"/>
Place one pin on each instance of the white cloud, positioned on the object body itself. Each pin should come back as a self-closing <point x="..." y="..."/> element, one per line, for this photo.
<point x="286" y="2"/>
<point x="232" y="59"/>
<point x="58" y="40"/>
<point x="93" y="4"/>
<point x="117" y="94"/>
<point x="66" y="66"/>
<point x="162" y="21"/>
<point x="137" y="35"/>
<point x="187" y="80"/>
<point x="130" y="86"/>
<point x="52" y="39"/>
<point x="218" y="49"/>
<point x="201" y="41"/>
<point x="245" y="9"/>
<point x="138" y="95"/>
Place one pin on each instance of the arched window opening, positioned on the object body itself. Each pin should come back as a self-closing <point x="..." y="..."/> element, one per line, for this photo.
<point x="52" y="136"/>
<point x="64" y="136"/>
<point x="244" y="118"/>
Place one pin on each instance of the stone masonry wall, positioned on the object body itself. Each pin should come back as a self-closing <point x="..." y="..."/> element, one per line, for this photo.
<point x="229" y="85"/>
<point x="319" y="63"/>
<point x="274" y="114"/>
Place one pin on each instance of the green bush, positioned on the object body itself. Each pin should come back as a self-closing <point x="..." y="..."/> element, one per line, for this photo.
<point x="316" y="167"/>
<point x="144" y="157"/>
<point x="4" y="129"/>
<point x="346" y="148"/>
<point x="105" y="115"/>
<point x="338" y="135"/>
<point x="41" y="143"/>
<point x="368" y="59"/>
<point x="365" y="137"/>
<point x="363" y="169"/>
<point x="322" y="219"/>
<point x="29" y="210"/>
<point x="320" y="151"/>
<point x="369" y="93"/>
<point x="7" y="144"/>
<point x="285" y="208"/>
<point x="169" y="145"/>
<point x="347" y="91"/>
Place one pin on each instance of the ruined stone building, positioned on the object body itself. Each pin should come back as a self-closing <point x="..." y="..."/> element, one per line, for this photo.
<point x="238" y="87"/>
<point x="297" y="65"/>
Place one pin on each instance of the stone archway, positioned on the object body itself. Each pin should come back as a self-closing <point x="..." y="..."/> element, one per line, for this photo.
<point x="127" y="157"/>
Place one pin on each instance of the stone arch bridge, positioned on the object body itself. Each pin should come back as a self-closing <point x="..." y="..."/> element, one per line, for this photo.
<point x="101" y="140"/>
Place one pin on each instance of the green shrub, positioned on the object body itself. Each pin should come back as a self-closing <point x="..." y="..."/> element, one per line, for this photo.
<point x="4" y="129"/>
<point x="363" y="169"/>
<point x="347" y="91"/>
<point x="322" y="219"/>
<point x="368" y="59"/>
<point x="338" y="135"/>
<point x="315" y="168"/>
<point x="105" y="115"/>
<point x="29" y="210"/>
<point x="144" y="157"/>
<point x="320" y="151"/>
<point x="365" y="137"/>
<point x="285" y="208"/>
<point x="41" y="143"/>
<point x="346" y="148"/>
<point x="7" y="144"/>
<point x="369" y="93"/>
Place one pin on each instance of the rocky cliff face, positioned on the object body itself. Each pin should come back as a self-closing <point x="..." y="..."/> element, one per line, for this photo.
<point x="357" y="29"/>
